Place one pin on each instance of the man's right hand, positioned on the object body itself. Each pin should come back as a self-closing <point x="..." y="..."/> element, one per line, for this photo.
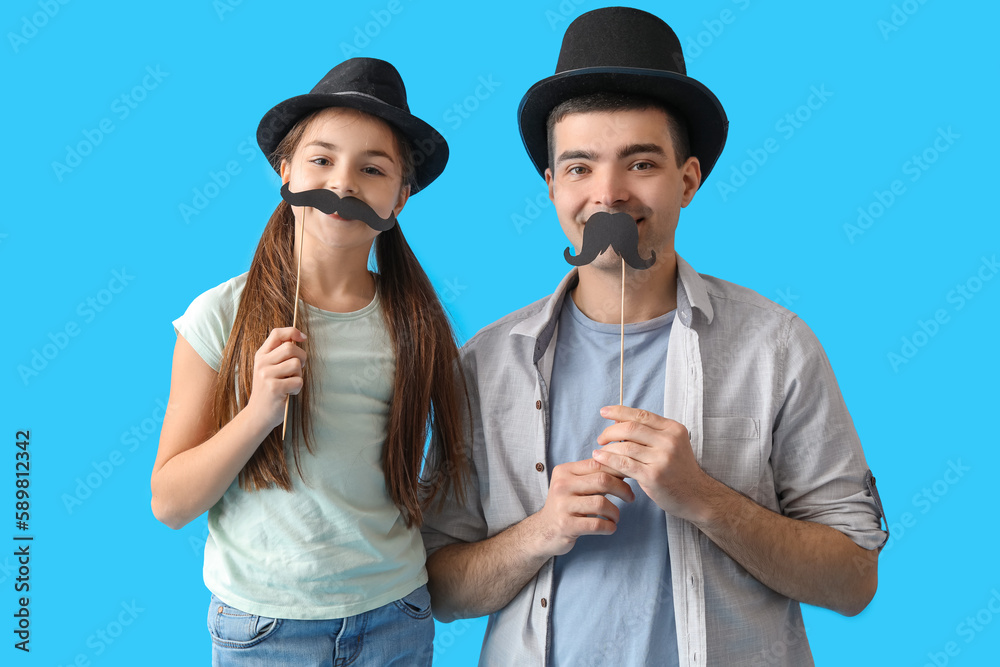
<point x="576" y="506"/>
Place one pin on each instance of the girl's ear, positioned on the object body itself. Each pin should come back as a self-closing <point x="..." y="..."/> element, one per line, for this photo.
<point x="285" y="171"/>
<point x="404" y="195"/>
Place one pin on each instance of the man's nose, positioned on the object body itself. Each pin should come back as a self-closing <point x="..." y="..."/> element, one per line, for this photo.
<point x="609" y="188"/>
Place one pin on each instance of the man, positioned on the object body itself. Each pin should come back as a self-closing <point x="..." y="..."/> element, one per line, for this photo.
<point x="686" y="526"/>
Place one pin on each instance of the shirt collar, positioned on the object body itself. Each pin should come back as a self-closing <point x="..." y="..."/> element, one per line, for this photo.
<point x="691" y="295"/>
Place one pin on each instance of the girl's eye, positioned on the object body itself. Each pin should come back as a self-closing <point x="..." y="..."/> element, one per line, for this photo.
<point x="373" y="171"/>
<point x="321" y="161"/>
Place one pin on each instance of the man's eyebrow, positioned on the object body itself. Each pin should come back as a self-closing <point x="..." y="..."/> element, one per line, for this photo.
<point x="576" y="155"/>
<point x="333" y="147"/>
<point x="635" y="149"/>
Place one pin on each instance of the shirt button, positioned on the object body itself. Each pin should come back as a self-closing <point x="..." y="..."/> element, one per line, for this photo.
<point x="544" y="603"/>
<point x="538" y="405"/>
<point x="539" y="467"/>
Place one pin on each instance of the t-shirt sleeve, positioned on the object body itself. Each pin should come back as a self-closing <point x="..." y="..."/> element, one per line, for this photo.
<point x="207" y="322"/>
<point x="820" y="469"/>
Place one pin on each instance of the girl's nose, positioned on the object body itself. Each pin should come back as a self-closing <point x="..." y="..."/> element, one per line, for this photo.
<point x="342" y="180"/>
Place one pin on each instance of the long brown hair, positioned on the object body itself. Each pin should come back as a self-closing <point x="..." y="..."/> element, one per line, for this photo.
<point x="428" y="390"/>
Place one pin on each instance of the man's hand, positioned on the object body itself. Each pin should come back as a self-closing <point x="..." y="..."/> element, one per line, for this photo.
<point x="576" y="506"/>
<point x="656" y="453"/>
<point x="469" y="580"/>
<point x="805" y="561"/>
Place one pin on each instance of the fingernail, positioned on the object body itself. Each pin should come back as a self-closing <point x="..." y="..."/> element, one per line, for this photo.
<point x="596" y="453"/>
<point x="604" y="411"/>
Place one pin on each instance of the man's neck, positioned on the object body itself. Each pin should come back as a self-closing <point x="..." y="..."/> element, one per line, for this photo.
<point x="648" y="294"/>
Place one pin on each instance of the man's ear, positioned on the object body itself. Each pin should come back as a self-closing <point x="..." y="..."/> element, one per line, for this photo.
<point x="549" y="178"/>
<point x="691" y="177"/>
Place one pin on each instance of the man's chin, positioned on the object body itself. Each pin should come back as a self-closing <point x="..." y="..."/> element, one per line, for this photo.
<point x="611" y="262"/>
<point x="607" y="262"/>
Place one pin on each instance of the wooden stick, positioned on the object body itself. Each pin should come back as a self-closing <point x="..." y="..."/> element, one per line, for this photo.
<point x="621" y="359"/>
<point x="295" y="309"/>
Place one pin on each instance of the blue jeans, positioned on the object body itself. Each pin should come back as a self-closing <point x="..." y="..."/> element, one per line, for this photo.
<point x="399" y="633"/>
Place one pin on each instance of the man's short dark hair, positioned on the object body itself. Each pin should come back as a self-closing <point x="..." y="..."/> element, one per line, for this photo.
<point x="610" y="102"/>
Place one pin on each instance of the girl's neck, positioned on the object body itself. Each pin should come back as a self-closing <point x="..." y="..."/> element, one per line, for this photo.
<point x="338" y="281"/>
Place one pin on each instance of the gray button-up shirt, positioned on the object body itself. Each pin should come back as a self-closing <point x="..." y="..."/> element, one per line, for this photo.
<point x="754" y="388"/>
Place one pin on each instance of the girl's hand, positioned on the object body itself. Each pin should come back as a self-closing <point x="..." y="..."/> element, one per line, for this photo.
<point x="277" y="372"/>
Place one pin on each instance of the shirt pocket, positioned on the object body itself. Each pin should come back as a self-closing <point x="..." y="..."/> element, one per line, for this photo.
<point x="732" y="452"/>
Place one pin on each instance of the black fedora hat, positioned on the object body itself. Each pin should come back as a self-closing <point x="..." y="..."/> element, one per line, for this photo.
<point x="624" y="50"/>
<point x="366" y="84"/>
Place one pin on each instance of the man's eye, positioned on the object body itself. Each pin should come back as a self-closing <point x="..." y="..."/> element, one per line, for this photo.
<point x="642" y="166"/>
<point x="576" y="171"/>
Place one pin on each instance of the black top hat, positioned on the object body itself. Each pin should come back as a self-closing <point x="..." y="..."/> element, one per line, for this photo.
<point x="370" y="85"/>
<point x="624" y="50"/>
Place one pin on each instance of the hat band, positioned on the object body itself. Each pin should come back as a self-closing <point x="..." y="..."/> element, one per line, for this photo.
<point x="359" y="94"/>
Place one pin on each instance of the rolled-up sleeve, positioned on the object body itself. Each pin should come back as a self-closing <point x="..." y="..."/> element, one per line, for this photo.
<point x="453" y="521"/>
<point x="820" y="472"/>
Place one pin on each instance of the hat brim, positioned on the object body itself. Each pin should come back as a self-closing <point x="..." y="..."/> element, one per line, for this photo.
<point x="430" y="150"/>
<point x="706" y="120"/>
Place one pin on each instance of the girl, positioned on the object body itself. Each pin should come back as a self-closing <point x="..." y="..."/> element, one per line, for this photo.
<point x="314" y="553"/>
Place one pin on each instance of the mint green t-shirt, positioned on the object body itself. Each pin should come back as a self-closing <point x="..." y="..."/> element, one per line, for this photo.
<point x="335" y="545"/>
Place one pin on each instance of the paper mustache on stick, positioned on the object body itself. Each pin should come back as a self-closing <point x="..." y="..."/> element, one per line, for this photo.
<point x="349" y="208"/>
<point x="329" y="202"/>
<point x="618" y="231"/>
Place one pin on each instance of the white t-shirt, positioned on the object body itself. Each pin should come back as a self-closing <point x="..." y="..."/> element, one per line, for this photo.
<point x="336" y="545"/>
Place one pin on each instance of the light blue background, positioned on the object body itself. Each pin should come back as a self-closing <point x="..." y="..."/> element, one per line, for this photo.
<point x="489" y="239"/>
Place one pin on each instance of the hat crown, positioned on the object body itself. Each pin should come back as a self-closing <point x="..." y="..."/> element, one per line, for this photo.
<point x="620" y="37"/>
<point x="365" y="76"/>
<point x="369" y="85"/>
<point x="624" y="51"/>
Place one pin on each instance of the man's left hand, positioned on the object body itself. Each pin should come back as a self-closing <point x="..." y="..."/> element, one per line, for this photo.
<point x="655" y="452"/>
